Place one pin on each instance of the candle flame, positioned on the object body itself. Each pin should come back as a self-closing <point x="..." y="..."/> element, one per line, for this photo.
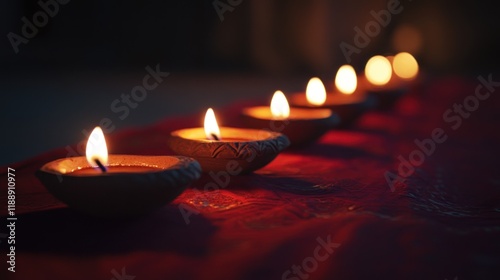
<point x="211" y="127"/>
<point x="96" y="148"/>
<point x="378" y="70"/>
<point x="315" y="92"/>
<point x="279" y="106"/>
<point x="346" y="80"/>
<point x="405" y="66"/>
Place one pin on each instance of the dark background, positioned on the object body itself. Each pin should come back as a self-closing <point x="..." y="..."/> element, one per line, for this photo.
<point x="65" y="78"/>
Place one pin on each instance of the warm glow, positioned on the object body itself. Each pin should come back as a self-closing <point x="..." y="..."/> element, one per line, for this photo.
<point x="279" y="106"/>
<point x="211" y="127"/>
<point x="405" y="65"/>
<point x="346" y="80"/>
<point x="378" y="70"/>
<point x="407" y="38"/>
<point x="96" y="148"/>
<point x="315" y="92"/>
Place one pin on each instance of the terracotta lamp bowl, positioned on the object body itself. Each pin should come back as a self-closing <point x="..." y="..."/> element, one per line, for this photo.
<point x="387" y="95"/>
<point x="240" y="151"/>
<point x="303" y="127"/>
<point x="133" y="186"/>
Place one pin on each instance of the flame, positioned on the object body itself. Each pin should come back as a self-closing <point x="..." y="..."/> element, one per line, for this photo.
<point x="378" y="70"/>
<point x="279" y="106"/>
<point x="346" y="80"/>
<point x="405" y="65"/>
<point x="211" y="127"/>
<point x="315" y="92"/>
<point x="96" y="148"/>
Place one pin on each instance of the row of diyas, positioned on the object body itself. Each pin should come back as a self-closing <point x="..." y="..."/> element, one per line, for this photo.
<point x="132" y="185"/>
<point x="384" y="80"/>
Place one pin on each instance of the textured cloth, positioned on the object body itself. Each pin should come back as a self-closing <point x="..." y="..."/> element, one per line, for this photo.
<point x="326" y="211"/>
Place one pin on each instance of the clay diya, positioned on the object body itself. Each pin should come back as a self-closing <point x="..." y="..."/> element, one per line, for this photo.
<point x="117" y="186"/>
<point x="234" y="150"/>
<point x="302" y="126"/>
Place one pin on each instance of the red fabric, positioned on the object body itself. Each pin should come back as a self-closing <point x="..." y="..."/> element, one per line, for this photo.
<point x="442" y="222"/>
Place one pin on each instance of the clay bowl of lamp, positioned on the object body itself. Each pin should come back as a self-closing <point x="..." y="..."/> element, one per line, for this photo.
<point x="303" y="126"/>
<point x="234" y="150"/>
<point x="117" y="186"/>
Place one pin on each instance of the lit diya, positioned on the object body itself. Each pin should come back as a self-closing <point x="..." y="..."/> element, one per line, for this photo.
<point x="117" y="186"/>
<point x="301" y="125"/>
<point x="234" y="150"/>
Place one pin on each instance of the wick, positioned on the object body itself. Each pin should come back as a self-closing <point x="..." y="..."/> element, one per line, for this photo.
<point x="214" y="136"/>
<point x="101" y="166"/>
